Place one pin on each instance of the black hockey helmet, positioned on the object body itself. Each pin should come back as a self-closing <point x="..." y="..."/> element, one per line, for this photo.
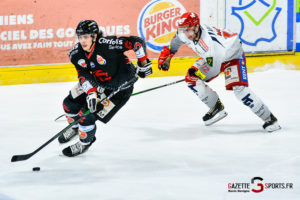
<point x="87" y="27"/>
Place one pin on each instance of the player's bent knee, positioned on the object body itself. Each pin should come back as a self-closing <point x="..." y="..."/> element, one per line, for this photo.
<point x="240" y="91"/>
<point x="70" y="106"/>
<point x="88" y="120"/>
<point x="198" y="87"/>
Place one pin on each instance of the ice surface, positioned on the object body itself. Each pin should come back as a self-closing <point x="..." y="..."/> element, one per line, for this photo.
<point x="156" y="147"/>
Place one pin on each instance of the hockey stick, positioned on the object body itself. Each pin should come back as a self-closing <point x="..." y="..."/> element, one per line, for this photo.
<point x="16" y="158"/>
<point x="59" y="117"/>
<point x="140" y="92"/>
<point x="154" y="88"/>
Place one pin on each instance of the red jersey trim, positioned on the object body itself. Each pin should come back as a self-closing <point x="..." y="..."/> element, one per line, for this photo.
<point x="91" y="52"/>
<point x="91" y="90"/>
<point x="143" y="58"/>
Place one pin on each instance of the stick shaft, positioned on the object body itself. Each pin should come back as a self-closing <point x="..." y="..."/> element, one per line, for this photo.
<point x="154" y="88"/>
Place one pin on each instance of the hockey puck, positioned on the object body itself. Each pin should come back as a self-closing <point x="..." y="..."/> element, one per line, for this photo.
<point x="36" y="169"/>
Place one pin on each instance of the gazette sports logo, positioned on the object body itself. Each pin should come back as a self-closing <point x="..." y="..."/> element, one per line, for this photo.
<point x="258" y="185"/>
<point x="157" y="22"/>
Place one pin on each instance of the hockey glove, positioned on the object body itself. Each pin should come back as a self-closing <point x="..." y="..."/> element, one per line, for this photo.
<point x="193" y="75"/>
<point x="163" y="61"/>
<point x="144" y="70"/>
<point x="92" y="100"/>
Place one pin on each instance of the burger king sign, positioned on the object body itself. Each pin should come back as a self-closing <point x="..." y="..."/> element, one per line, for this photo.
<point x="157" y="22"/>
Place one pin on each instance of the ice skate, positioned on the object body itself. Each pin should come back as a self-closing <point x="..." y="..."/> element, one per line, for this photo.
<point x="271" y="124"/>
<point x="77" y="148"/>
<point x="68" y="135"/>
<point x="215" y="114"/>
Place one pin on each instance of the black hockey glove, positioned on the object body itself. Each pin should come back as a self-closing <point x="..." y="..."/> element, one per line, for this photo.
<point x="165" y="66"/>
<point x="192" y="72"/>
<point x="145" y="70"/>
<point x="196" y="73"/>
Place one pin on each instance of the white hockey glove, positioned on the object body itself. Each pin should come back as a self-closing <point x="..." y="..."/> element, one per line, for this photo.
<point x="144" y="70"/>
<point x="92" y="101"/>
<point x="100" y="92"/>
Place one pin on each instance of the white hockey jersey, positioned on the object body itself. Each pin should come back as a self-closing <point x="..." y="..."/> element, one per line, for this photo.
<point x="215" y="47"/>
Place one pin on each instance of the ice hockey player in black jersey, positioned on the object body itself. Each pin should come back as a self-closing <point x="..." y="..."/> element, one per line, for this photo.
<point x="102" y="67"/>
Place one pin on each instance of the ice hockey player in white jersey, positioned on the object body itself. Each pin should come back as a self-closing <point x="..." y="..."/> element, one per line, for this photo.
<point x="219" y="51"/>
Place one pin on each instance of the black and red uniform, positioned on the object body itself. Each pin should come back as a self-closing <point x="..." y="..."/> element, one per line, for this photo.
<point x="104" y="68"/>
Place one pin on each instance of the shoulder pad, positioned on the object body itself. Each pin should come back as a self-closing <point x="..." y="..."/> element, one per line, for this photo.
<point x="73" y="51"/>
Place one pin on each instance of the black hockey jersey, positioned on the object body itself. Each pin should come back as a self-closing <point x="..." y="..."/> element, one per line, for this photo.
<point x="106" y="65"/>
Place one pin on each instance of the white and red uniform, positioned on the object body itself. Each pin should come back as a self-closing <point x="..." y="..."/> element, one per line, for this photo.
<point x="220" y="51"/>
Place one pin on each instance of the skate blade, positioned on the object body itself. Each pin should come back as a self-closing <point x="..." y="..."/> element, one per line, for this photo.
<point x="273" y="127"/>
<point x="220" y="116"/>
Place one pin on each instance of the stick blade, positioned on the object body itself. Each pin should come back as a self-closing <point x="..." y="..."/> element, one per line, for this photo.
<point x="16" y="158"/>
<point x="59" y="117"/>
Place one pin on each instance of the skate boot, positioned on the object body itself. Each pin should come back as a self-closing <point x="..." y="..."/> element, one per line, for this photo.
<point x="68" y="135"/>
<point x="215" y="114"/>
<point x="271" y="124"/>
<point x="77" y="148"/>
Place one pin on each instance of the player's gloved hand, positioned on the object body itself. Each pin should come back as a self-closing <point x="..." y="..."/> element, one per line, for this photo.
<point x="164" y="59"/>
<point x="100" y="91"/>
<point x="92" y="101"/>
<point x="193" y="75"/>
<point x="144" y="70"/>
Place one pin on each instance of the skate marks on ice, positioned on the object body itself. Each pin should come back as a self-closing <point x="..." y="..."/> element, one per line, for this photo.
<point x="198" y="131"/>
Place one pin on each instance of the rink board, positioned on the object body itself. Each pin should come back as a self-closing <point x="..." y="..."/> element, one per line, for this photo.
<point x="179" y="66"/>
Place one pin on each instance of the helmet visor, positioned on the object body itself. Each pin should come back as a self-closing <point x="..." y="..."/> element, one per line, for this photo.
<point x="84" y="37"/>
<point x="187" y="33"/>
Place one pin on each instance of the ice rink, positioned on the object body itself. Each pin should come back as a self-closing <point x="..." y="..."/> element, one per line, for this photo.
<point x="156" y="147"/>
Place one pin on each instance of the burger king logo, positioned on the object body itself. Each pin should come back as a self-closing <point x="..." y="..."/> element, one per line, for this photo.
<point x="157" y="22"/>
<point x="101" y="60"/>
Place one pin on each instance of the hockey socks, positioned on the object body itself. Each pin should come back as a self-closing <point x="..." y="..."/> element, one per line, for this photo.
<point x="205" y="93"/>
<point x="249" y="99"/>
<point x="257" y="107"/>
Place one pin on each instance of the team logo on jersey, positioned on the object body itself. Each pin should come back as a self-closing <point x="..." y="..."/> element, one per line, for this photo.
<point x="101" y="60"/>
<point x="82" y="63"/>
<point x="92" y="64"/>
<point x="110" y="41"/>
<point x="210" y="61"/>
<point x="157" y="22"/>
<point x="259" y="17"/>
<point x="227" y="73"/>
<point x="106" y="103"/>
